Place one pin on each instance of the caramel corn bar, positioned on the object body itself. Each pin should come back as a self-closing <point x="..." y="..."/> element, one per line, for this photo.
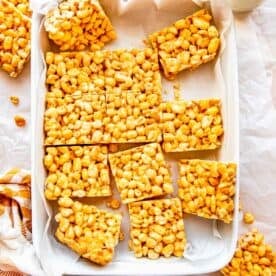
<point x="15" y="45"/>
<point x="74" y="119"/>
<point x="76" y="171"/>
<point x="90" y="232"/>
<point x="133" y="118"/>
<point x="78" y="24"/>
<point x="157" y="228"/>
<point x="207" y="188"/>
<point x="141" y="173"/>
<point x="186" y="44"/>
<point x="252" y="257"/>
<point x="191" y="125"/>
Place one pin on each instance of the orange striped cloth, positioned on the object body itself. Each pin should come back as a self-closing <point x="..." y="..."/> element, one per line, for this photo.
<point x="15" y="209"/>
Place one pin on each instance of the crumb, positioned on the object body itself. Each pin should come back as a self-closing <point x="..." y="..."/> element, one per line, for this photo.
<point x="14" y="100"/>
<point x="113" y="148"/>
<point x="248" y="218"/>
<point x="166" y="92"/>
<point x="113" y="203"/>
<point x="121" y="236"/>
<point x="176" y="90"/>
<point x="20" y="121"/>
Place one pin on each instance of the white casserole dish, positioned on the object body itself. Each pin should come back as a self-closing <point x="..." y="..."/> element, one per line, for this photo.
<point x="208" y="250"/>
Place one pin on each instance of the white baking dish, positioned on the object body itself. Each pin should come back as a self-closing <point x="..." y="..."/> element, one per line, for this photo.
<point x="208" y="250"/>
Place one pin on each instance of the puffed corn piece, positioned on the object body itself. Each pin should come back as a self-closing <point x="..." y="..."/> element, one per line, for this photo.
<point x="133" y="118"/>
<point x="157" y="228"/>
<point x="74" y="119"/>
<point x="15" y="43"/>
<point x="141" y="173"/>
<point x="252" y="257"/>
<point x="191" y="125"/>
<point x="186" y="44"/>
<point x="207" y="188"/>
<point x="78" y="24"/>
<point x="87" y="230"/>
<point x="77" y="171"/>
<point x="23" y="6"/>
<point x="103" y="72"/>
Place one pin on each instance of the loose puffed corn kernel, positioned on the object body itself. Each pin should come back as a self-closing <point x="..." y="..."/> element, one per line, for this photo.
<point x="87" y="230"/>
<point x="133" y="117"/>
<point x="78" y="24"/>
<point x="191" y="125"/>
<point x="252" y="257"/>
<point x="74" y="119"/>
<point x="207" y="188"/>
<point x="14" y="100"/>
<point x="186" y="44"/>
<point x="113" y="203"/>
<point x="19" y="121"/>
<point x="157" y="228"/>
<point x="15" y="45"/>
<point x="248" y="218"/>
<point x="77" y="171"/>
<point x="103" y="72"/>
<point x="141" y="173"/>
<point x="23" y="6"/>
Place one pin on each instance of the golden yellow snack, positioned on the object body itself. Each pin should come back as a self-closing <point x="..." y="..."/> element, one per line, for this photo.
<point x="23" y="6"/>
<point x="133" y="117"/>
<point x="113" y="203"/>
<point x="90" y="232"/>
<point x="157" y="228"/>
<point x="79" y="24"/>
<point x="19" y="121"/>
<point x="76" y="171"/>
<point x="252" y="257"/>
<point x="141" y="173"/>
<point x="207" y="188"/>
<point x="248" y="218"/>
<point x="191" y="125"/>
<point x="103" y="72"/>
<point x="15" y="45"/>
<point x="74" y="119"/>
<point x="14" y="100"/>
<point x="186" y="44"/>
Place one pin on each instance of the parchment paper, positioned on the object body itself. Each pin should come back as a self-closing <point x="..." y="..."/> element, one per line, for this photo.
<point x="14" y="142"/>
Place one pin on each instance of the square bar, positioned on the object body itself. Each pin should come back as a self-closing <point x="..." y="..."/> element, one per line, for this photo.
<point x="207" y="188"/>
<point x="76" y="119"/>
<point x="157" y="228"/>
<point x="78" y="24"/>
<point x="90" y="232"/>
<point x="141" y="173"/>
<point x="191" y="125"/>
<point x="15" y="45"/>
<point x="186" y="44"/>
<point x="133" y="117"/>
<point x="76" y="171"/>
